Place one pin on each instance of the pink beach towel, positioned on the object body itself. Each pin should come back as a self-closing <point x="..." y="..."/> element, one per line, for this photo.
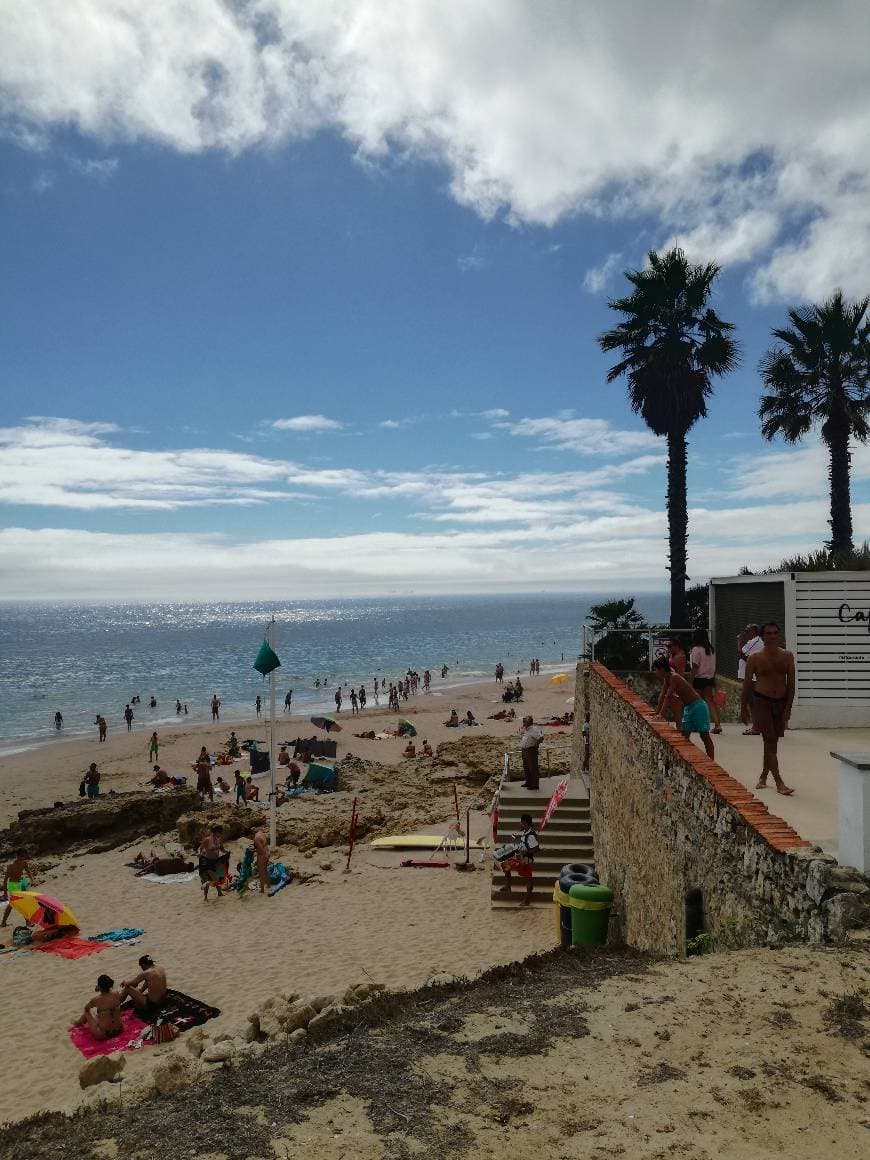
<point x="72" y="947"/>
<point x="133" y="1027"/>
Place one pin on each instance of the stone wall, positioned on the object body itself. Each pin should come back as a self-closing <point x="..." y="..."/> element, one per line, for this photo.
<point x="646" y="684"/>
<point x="666" y="820"/>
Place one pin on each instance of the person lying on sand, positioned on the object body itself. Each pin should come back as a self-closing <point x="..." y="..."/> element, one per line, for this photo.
<point x="102" y="1014"/>
<point x="148" y="989"/>
<point x="369" y="736"/>
<point x="162" y="866"/>
<point x="503" y="715"/>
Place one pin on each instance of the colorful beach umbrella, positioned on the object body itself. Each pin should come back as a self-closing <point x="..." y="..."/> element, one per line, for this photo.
<point x="559" y="678"/>
<point x="328" y="723"/>
<point x="33" y="907"/>
<point x="406" y="728"/>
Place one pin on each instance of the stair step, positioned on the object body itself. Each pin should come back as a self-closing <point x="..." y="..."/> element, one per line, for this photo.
<point x="515" y="809"/>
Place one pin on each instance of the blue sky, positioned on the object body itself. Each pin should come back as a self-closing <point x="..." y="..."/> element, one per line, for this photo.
<point x="331" y="304"/>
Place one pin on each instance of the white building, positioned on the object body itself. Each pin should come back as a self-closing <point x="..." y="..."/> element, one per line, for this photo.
<point x="824" y="618"/>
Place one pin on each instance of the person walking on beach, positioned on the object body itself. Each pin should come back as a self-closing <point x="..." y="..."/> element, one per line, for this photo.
<point x="696" y="715"/>
<point x="530" y="742"/>
<point x="100" y="723"/>
<point x="362" y="697"/>
<point x="768" y="693"/>
<point x="261" y="853"/>
<point x="258" y="704"/>
<point x="354" y="702"/>
<point x="338" y="700"/>
<point x="703" y="662"/>
<point x="288" y="700"/>
<point x="153" y="747"/>
<point x="91" y="781"/>
<point x="18" y="876"/>
<point x="128" y="717"/>
<point x="215" y="707"/>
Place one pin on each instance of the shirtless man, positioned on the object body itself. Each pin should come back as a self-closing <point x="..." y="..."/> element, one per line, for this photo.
<point x="16" y="871"/>
<point x="213" y="860"/>
<point x="148" y="989"/>
<point x="696" y="715"/>
<point x="102" y="1014"/>
<point x="261" y="853"/>
<point x="768" y="691"/>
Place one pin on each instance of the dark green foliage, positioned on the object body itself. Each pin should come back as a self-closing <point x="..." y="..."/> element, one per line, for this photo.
<point x="672" y="345"/>
<point x="698" y="606"/>
<point x="824" y="560"/>
<point x="619" y="650"/>
<point x="820" y="373"/>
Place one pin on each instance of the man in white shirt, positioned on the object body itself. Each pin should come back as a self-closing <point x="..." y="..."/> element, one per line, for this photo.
<point x="748" y="642"/>
<point x="532" y="736"/>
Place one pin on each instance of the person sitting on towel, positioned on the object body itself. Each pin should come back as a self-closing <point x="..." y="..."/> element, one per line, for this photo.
<point x="469" y="718"/>
<point x="102" y="1014"/>
<point x="283" y="756"/>
<point x="148" y="989"/>
<point x="427" y="749"/>
<point x="160" y="778"/>
<point x="410" y="750"/>
<point x="453" y="722"/>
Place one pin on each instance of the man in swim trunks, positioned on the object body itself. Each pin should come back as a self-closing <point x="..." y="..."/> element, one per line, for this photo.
<point x="696" y="715"/>
<point x="148" y="989"/>
<point x="768" y="689"/>
<point x="214" y="861"/>
<point x="17" y="873"/>
<point x="261" y="854"/>
<point x="102" y="1014"/>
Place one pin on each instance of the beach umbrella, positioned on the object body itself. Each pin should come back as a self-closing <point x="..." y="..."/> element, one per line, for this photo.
<point x="327" y="723"/>
<point x="559" y="678"/>
<point x="32" y="906"/>
<point x="406" y="728"/>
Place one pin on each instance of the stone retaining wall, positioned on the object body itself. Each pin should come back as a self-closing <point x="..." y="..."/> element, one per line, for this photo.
<point x="666" y="820"/>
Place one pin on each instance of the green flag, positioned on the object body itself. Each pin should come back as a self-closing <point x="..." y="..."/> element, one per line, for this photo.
<point x="266" y="661"/>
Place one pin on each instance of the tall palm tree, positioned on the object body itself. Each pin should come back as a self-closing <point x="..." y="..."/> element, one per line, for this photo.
<point x="820" y="373"/>
<point x="672" y="345"/>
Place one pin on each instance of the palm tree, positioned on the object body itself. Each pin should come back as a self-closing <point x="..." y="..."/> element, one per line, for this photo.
<point x="672" y="345"/>
<point x="820" y="373"/>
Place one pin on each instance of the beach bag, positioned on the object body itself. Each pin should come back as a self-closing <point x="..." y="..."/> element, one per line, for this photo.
<point x="164" y="1032"/>
<point x="719" y="698"/>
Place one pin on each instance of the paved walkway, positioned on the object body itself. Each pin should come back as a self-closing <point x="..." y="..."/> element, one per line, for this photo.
<point x="806" y="764"/>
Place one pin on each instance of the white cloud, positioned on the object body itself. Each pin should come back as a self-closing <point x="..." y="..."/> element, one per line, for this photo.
<point x="597" y="277"/>
<point x="307" y="423"/>
<point x="509" y="97"/>
<point x="390" y="424"/>
<point x="99" y="168"/>
<point x="798" y="471"/>
<point x="566" y="432"/>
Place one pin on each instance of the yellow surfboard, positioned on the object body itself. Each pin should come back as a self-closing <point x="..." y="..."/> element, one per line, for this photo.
<point x="421" y="842"/>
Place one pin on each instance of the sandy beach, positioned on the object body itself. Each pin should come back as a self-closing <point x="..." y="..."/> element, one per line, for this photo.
<point x="395" y="925"/>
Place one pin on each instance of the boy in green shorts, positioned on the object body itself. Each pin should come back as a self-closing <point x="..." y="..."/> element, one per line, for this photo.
<point x="696" y="715"/>
<point x="18" y="876"/>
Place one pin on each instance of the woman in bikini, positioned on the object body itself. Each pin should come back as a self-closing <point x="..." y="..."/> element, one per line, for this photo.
<point x="102" y="1014"/>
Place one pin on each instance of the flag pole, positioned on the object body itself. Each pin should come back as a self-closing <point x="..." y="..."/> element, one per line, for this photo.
<point x="273" y="797"/>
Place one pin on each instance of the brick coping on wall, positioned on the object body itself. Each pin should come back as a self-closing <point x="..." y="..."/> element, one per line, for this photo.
<point x="777" y="833"/>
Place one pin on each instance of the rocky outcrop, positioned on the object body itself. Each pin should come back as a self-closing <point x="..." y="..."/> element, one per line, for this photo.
<point x="236" y="822"/>
<point x="479" y="757"/>
<point x="99" y="824"/>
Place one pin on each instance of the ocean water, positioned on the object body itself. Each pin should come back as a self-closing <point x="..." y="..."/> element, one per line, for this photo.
<point x="85" y="659"/>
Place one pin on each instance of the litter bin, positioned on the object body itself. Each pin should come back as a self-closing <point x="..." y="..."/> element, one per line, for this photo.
<point x="590" y="913"/>
<point x="563" y="914"/>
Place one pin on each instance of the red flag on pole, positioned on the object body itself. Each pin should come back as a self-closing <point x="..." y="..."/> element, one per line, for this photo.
<point x="558" y="793"/>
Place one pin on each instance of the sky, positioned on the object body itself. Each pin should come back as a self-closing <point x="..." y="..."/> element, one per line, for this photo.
<point x="302" y="299"/>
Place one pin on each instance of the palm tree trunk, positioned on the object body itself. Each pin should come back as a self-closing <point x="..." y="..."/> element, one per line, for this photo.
<point x="678" y="525"/>
<point x="836" y="436"/>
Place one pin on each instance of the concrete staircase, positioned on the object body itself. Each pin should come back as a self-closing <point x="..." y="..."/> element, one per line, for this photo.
<point x="566" y="838"/>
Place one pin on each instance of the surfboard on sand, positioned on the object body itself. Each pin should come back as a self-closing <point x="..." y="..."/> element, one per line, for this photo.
<point x="421" y="842"/>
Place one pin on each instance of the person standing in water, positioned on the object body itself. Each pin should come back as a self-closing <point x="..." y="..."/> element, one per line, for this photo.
<point x="58" y="720"/>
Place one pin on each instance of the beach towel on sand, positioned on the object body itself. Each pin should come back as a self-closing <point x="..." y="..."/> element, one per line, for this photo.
<point x="72" y="947"/>
<point x="168" y="879"/>
<point x="128" y="1038"/>
<point x="182" y="1010"/>
<point x="121" y="934"/>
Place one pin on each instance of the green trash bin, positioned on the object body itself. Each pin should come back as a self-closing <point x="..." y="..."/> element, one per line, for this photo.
<point x="590" y="914"/>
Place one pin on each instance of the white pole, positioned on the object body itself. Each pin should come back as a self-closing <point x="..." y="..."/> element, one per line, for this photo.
<point x="273" y="809"/>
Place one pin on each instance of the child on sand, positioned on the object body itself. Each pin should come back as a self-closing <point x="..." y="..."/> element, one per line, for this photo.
<point x="153" y="747"/>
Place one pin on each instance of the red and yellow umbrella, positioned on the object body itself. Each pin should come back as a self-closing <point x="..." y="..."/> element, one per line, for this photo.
<point x="42" y="909"/>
